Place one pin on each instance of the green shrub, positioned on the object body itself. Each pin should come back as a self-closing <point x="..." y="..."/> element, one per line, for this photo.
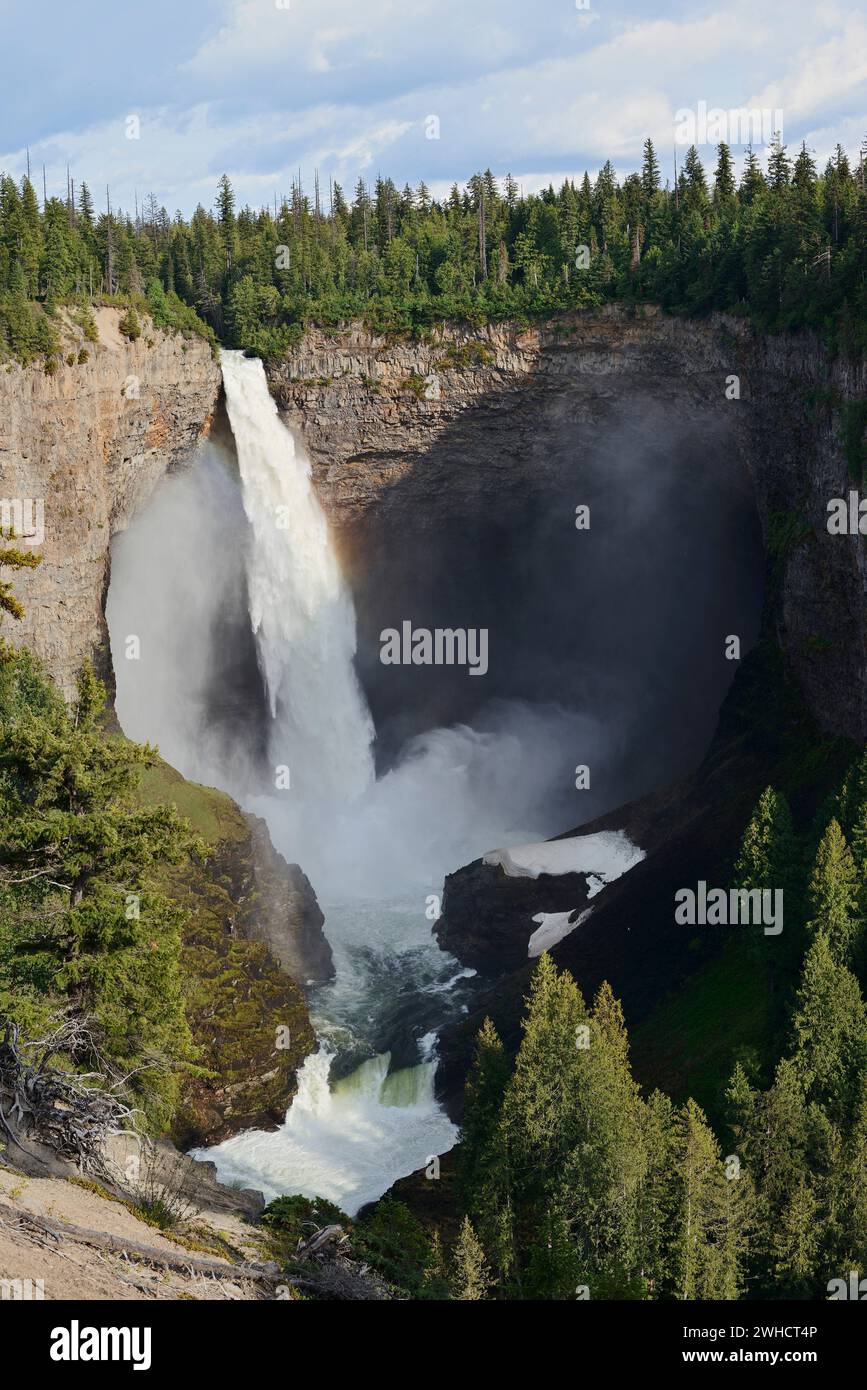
<point x="295" y="1218"/>
<point x="390" y="1239"/>
<point x="130" y="325"/>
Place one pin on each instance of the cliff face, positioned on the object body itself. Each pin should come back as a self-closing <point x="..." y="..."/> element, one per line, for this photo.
<point x="91" y="442"/>
<point x="414" y="436"/>
<point x="252" y="929"/>
<point x="284" y="912"/>
<point x="410" y="439"/>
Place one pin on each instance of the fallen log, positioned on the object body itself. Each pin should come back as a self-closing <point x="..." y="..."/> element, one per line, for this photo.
<point x="183" y="1263"/>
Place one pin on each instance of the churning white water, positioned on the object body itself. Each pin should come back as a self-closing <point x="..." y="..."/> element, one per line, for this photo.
<point x="347" y="1142"/>
<point x="300" y="608"/>
<point x="201" y="559"/>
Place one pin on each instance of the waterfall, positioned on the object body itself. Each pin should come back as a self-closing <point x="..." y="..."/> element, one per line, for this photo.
<point x="300" y="608"/>
<point x="348" y="1142"/>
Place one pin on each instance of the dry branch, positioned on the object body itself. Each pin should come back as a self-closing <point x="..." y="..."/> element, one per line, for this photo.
<point x="182" y="1262"/>
<point x="60" y="1110"/>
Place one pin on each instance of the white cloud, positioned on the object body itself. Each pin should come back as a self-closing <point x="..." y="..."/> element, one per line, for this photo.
<point x="821" y="74"/>
<point x="514" y="88"/>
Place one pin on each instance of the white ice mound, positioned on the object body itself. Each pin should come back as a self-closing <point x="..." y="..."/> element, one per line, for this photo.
<point x="602" y="857"/>
<point x="554" y="926"/>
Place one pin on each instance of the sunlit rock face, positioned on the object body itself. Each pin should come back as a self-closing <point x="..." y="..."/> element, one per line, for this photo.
<point x="91" y="442"/>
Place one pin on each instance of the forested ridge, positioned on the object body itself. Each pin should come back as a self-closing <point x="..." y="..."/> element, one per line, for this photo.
<point x="783" y="243"/>
<point x="572" y="1182"/>
<point x="571" y="1177"/>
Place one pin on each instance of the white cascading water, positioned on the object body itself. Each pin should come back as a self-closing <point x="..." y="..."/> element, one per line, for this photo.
<point x="348" y="1142"/>
<point x="300" y="607"/>
<point x="375" y="851"/>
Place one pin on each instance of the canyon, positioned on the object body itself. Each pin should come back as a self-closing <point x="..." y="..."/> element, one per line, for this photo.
<point x="450" y="469"/>
<point x="440" y="463"/>
<point x="410" y="437"/>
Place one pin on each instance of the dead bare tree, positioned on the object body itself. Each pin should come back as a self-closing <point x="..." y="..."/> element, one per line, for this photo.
<point x="72" y="1113"/>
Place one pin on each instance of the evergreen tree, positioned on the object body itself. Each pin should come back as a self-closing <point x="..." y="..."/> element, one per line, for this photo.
<point x="11" y="557"/>
<point x="470" y="1276"/>
<point x="724" y="191"/>
<point x="539" y="1117"/>
<point x="650" y="172"/>
<point x="226" y="219"/>
<point x="484" y="1159"/>
<point x="603" y="1173"/>
<point x="710" y="1217"/>
<point x="833" y="897"/>
<point x="81" y="917"/>
<point x="768" y="861"/>
<point x="829" y="1032"/>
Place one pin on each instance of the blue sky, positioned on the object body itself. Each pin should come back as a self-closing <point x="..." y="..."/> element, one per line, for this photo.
<point x="541" y="88"/>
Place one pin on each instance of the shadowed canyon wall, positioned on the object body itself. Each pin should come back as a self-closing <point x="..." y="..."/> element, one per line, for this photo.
<point x="413" y="440"/>
<point x="450" y="469"/>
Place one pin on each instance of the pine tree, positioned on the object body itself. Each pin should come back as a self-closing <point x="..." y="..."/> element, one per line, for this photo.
<point x="753" y="180"/>
<point x="539" y="1116"/>
<point x="768" y="860"/>
<point x="852" y="1184"/>
<point x="603" y="1173"/>
<point x="695" y="183"/>
<point x="484" y="1174"/>
<point x="85" y="205"/>
<point x="829" y="1031"/>
<point x="13" y="558"/>
<point x="81" y="917"/>
<point x="30" y="237"/>
<point x="776" y="1140"/>
<point x="226" y="219"/>
<point x="794" y="1242"/>
<point x="833" y="897"/>
<point x="724" y="192"/>
<point x="484" y="1091"/>
<point x="804" y="172"/>
<point x="849" y="807"/>
<point x="655" y="1195"/>
<point x="650" y="172"/>
<point x="709" y="1215"/>
<point x="779" y="165"/>
<point x="471" y="1278"/>
<point x="435" y="1281"/>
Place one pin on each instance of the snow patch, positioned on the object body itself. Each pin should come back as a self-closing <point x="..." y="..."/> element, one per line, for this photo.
<point x="554" y="926"/>
<point x="602" y="857"/>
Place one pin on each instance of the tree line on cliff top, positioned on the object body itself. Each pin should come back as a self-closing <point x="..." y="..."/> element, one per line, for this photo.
<point x="785" y="244"/>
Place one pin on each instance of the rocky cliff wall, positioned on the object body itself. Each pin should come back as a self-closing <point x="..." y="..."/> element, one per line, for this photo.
<point x="412" y="439"/>
<point x="90" y="442"/>
<point x="417" y="436"/>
